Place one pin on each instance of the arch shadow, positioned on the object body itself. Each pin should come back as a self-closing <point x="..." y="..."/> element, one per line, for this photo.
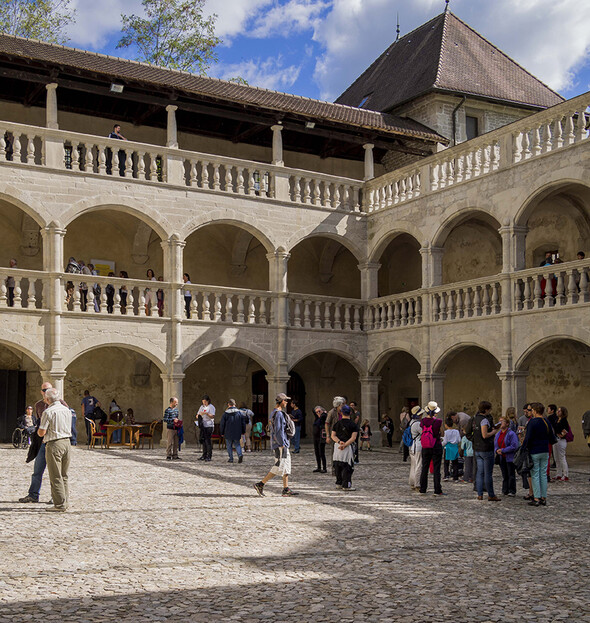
<point x="384" y="241"/>
<point x="318" y="232"/>
<point x="326" y="346"/>
<point x="201" y="348"/>
<point x="458" y="218"/>
<point x="24" y="350"/>
<point x="16" y="202"/>
<point x="524" y="360"/>
<point x="241" y="221"/>
<point x="381" y="359"/>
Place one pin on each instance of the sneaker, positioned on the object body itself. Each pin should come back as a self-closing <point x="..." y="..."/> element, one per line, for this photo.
<point x="230" y="460"/>
<point x="168" y="458"/>
<point x="288" y="492"/>
<point x="240" y="459"/>
<point x="27" y="499"/>
<point x="176" y="458"/>
<point x="446" y="479"/>
<point x="201" y="458"/>
<point x="511" y="495"/>
<point x="259" y="486"/>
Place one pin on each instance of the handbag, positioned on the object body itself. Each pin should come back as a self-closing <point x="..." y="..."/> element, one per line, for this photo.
<point x="522" y="460"/>
<point x="569" y="436"/>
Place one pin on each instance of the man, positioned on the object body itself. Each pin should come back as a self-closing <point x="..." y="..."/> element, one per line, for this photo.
<point x="355" y="417"/>
<point x="416" y="448"/>
<point x="333" y="416"/>
<point x="249" y="417"/>
<point x="116" y="134"/>
<point x="432" y="449"/>
<point x="460" y="419"/>
<point x="56" y="429"/>
<point x="527" y="414"/>
<point x="484" y="432"/>
<point x="207" y="413"/>
<point x="10" y="284"/>
<point x="297" y="417"/>
<point x="232" y="427"/>
<point x="344" y="434"/>
<point x="40" y="460"/>
<point x="173" y="422"/>
<point x="548" y="261"/>
<point x="89" y="404"/>
<point x="279" y="443"/>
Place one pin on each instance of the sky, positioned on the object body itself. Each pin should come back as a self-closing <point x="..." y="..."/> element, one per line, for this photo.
<point x="316" y="48"/>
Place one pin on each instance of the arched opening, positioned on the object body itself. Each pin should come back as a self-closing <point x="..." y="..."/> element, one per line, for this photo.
<point x="323" y="266"/>
<point x="399" y="386"/>
<point x="401" y="266"/>
<point x="119" y="373"/>
<point x="472" y="249"/>
<point x="325" y="375"/>
<point x="559" y="373"/>
<point x="20" y="382"/>
<point x="471" y="375"/>
<point x="226" y="255"/>
<point x="222" y="374"/>
<point x="558" y="222"/>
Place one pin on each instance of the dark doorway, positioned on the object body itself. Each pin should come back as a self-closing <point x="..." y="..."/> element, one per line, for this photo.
<point x="296" y="389"/>
<point x="13" y="395"/>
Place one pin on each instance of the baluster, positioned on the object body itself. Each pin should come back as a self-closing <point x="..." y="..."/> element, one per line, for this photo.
<point x="495" y="299"/>
<point x="263" y="188"/>
<point x="388" y="195"/>
<point x="397" y="314"/>
<point x="206" y="313"/>
<point x="141" y="308"/>
<point x="336" y="196"/>
<point x="327" y="315"/>
<point x="477" y="162"/>
<point x="411" y="312"/>
<point x="451" y="305"/>
<point x="404" y="307"/>
<point x="460" y="166"/>
<point x="297" y="189"/>
<point x="326" y="199"/>
<point x="495" y="156"/>
<point x="217" y="308"/>
<point x="205" y="174"/>
<point x="77" y="306"/>
<point x="468" y="165"/>
<point x="317" y="318"/>
<point x="114" y="162"/>
<point x="369" y="318"/>
<point x="229" y="184"/>
<point x="560" y="289"/>
<point x="101" y="160"/>
<point x="527" y="302"/>
<point x="345" y="203"/>
<point x="526" y="152"/>
<point x="251" y="182"/>
<point x="486" y="299"/>
<point x="89" y="300"/>
<point x="130" y="303"/>
<point x="117" y="303"/>
<point x="2" y="147"/>
<point x="154" y="311"/>
<point x="229" y="317"/>
<point x="467" y="311"/>
<point x="434" y="173"/>
<point x="410" y="186"/>
<point x="307" y="314"/>
<point x="252" y="310"/>
<point x="581" y="131"/>
<point x="584" y="294"/>
<point x="570" y="137"/>
<point x="306" y="191"/>
<point x="88" y="158"/>
<point x="419" y="310"/>
<point x="240" y="181"/>
<point x="477" y="301"/>
<point x="357" y="318"/>
<point x="390" y="312"/>
<point x="443" y="306"/>
<point x="517" y="295"/>
<point x="557" y="133"/>
<point x="129" y="164"/>
<point x="103" y="300"/>
<point x="316" y="193"/>
<point x="402" y="194"/>
<point x="141" y="174"/>
<point x="193" y="177"/>
<point x="337" y="322"/>
<point x="194" y="307"/>
<point x="549" y="298"/>
<point x="536" y="141"/>
<point x="435" y="307"/>
<point x="486" y="159"/>
<point x="273" y="311"/>
<point x="16" y="148"/>
<point x="444" y="174"/>
<point x="538" y="292"/>
<point x="262" y="314"/>
<point x="394" y="193"/>
<point x="297" y="314"/>
<point x="240" y="316"/>
<point x="572" y="288"/>
<point x="216" y="184"/>
<point x="547" y="139"/>
<point x="460" y="313"/>
<point x="18" y="301"/>
<point x="347" y="325"/>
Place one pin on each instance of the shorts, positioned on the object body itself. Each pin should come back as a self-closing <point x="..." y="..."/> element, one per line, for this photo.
<point x="281" y="467"/>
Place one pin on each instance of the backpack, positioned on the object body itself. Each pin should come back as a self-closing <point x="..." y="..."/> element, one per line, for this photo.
<point x="407" y="438"/>
<point x="289" y="424"/>
<point x="427" y="440"/>
<point x="469" y="430"/>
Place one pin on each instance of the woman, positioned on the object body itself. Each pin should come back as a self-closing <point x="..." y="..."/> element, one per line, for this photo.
<point x="562" y="428"/>
<point x="539" y="435"/>
<point x="123" y="291"/>
<point x="505" y="445"/>
<point x="147" y="293"/>
<point x="187" y="295"/>
<point x="404" y="422"/>
<point x="416" y="448"/>
<point x="387" y="430"/>
<point x="319" y="439"/>
<point x="160" y="298"/>
<point x="512" y="419"/>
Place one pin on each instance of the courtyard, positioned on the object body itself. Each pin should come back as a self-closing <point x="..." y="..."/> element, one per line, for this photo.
<point x="151" y="540"/>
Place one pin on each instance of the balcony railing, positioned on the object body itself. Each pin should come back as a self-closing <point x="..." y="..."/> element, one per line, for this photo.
<point x="469" y="299"/>
<point x="28" y="291"/>
<point x="310" y="311"/>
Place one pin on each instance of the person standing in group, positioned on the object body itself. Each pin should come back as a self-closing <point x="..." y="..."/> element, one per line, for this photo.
<point x="207" y="413"/>
<point x="432" y="449"/>
<point x="416" y="448"/>
<point x="319" y="439"/>
<point x="484" y="432"/>
<point x="89" y="404"/>
<point x="355" y="417"/>
<point x="249" y="417"/>
<point x="333" y="416"/>
<point x="172" y="420"/>
<point x="539" y="434"/>
<point x="387" y="431"/>
<point x="450" y="442"/>
<point x="297" y="417"/>
<point x="404" y="422"/>
<point x="344" y="435"/>
<point x="279" y="443"/>
<point x="505" y="445"/>
<point x="232" y="426"/>
<point x="511" y="415"/>
<point x="466" y="447"/>
<point x="148" y="294"/>
<point x="366" y="435"/>
<point x="564" y="435"/>
<point x="55" y="429"/>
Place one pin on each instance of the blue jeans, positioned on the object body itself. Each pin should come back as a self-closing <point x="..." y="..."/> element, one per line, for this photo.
<point x="37" y="477"/>
<point x="229" y="444"/>
<point x="485" y="469"/>
<point x="539" y="474"/>
<point x="296" y="438"/>
<point x="74" y="437"/>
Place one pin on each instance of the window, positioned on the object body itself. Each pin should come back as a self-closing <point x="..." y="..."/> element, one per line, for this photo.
<point x="471" y="127"/>
<point x="364" y="100"/>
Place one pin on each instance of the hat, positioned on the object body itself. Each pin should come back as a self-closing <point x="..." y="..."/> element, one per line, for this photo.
<point x="417" y="410"/>
<point x="280" y="397"/>
<point x="345" y="410"/>
<point x="433" y="406"/>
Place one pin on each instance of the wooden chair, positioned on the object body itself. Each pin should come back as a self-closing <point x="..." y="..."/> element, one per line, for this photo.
<point x="218" y="437"/>
<point x="258" y="438"/>
<point x="94" y="434"/>
<point x="149" y="436"/>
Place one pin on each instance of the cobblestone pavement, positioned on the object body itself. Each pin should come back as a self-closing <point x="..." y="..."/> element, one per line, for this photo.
<point x="151" y="540"/>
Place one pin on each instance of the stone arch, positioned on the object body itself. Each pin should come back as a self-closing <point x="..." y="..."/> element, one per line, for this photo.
<point x="459" y="217"/>
<point x="319" y="232"/>
<point x="24" y="347"/>
<point x="380" y="360"/>
<point x="327" y="346"/>
<point x="19" y="200"/>
<point x="581" y="339"/>
<point x="200" y="348"/>
<point x="448" y="355"/>
<point x="400" y="262"/>
<point x="155" y="355"/>
<point x="401" y="228"/>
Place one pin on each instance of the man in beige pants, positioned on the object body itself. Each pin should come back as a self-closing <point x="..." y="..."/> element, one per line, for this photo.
<point x="56" y="429"/>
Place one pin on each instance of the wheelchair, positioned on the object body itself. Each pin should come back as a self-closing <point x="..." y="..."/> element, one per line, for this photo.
<point x="21" y="438"/>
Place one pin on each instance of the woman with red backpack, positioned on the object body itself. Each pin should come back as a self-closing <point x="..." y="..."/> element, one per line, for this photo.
<point x="432" y="449"/>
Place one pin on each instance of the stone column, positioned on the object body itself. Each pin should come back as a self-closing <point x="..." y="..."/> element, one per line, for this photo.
<point x="369" y="164"/>
<point x="173" y="260"/>
<point x="369" y="280"/>
<point x="435" y="269"/>
<point x="278" y="262"/>
<point x="51" y="106"/>
<point x="369" y="406"/>
<point x="506" y="234"/>
<point x="433" y="386"/>
<point x="54" y="147"/>
<point x="518" y="247"/>
<point x="174" y="163"/>
<point x="277" y="384"/>
<point x="277" y="145"/>
<point x="173" y="268"/>
<point x="172" y="132"/>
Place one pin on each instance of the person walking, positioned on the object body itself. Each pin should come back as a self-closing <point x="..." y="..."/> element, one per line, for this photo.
<point x="56" y="429"/>
<point x="319" y="439"/>
<point x="564" y="435"/>
<point x="247" y="436"/>
<point x="297" y="417"/>
<point x="280" y="427"/>
<point x="207" y="413"/>
<point x="505" y="445"/>
<point x="483" y="446"/>
<point x="432" y="450"/>
<point x="232" y="426"/>
<point x="539" y="434"/>
<point x="415" y="449"/>
<point x="344" y="435"/>
<point x="173" y="422"/>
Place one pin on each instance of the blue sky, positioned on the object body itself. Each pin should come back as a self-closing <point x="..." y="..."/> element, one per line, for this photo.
<point x="316" y="48"/>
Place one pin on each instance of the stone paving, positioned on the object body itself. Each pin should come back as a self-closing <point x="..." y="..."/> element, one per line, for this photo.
<point x="151" y="540"/>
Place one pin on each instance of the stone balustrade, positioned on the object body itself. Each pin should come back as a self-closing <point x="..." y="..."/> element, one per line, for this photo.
<point x="469" y="299"/>
<point x="28" y="291"/>
<point x="547" y="131"/>
<point x="310" y="311"/>
<point x="399" y="310"/>
<point x="323" y="191"/>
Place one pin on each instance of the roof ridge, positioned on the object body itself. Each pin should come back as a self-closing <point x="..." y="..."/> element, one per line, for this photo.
<point x="443" y="41"/>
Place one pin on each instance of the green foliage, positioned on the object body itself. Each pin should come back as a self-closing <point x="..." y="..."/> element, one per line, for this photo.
<point x="172" y="34"/>
<point x="45" y="20"/>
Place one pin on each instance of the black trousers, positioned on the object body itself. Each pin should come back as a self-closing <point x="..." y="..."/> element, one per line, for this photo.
<point x="319" y="446"/>
<point x="508" y="476"/>
<point x="343" y="473"/>
<point x="390" y="439"/>
<point x="434" y="455"/>
<point x="455" y="466"/>
<point x="207" y="443"/>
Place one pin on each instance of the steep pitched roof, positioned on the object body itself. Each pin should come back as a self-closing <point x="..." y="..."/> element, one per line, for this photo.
<point x="82" y="62"/>
<point x="446" y="55"/>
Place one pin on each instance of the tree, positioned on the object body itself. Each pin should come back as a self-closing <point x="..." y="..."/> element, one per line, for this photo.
<point x="45" y="20"/>
<point x="172" y="34"/>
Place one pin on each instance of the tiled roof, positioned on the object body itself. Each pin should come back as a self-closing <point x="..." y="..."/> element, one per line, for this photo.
<point x="446" y="54"/>
<point x="211" y="88"/>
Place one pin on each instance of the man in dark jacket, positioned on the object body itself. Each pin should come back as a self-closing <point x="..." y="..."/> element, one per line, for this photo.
<point x="484" y="432"/>
<point x="232" y="427"/>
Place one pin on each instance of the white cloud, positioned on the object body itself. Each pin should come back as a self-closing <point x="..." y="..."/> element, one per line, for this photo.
<point x="233" y="15"/>
<point x="285" y="19"/>
<point x="268" y="74"/>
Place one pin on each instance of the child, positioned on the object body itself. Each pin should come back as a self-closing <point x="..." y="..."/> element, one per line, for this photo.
<point x="451" y="441"/>
<point x="366" y="434"/>
<point x="344" y="435"/>
<point x="467" y="453"/>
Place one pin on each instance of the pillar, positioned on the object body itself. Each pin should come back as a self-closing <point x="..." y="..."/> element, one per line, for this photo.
<point x="277" y="384"/>
<point x="277" y="266"/>
<point x="51" y="106"/>
<point x="173" y="268"/>
<point x="369" y="163"/>
<point x="171" y="129"/>
<point x="277" y="145"/>
<point x="369" y="280"/>
<point x="435" y="268"/>
<point x="175" y="173"/>
<point x="518" y="247"/>
<point x="369" y="406"/>
<point x="173" y="260"/>
<point x="513" y="388"/>
<point x="433" y="388"/>
<point x="54" y="146"/>
<point x="277" y="270"/>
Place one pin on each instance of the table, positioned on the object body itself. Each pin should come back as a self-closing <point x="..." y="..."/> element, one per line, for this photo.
<point x="129" y="436"/>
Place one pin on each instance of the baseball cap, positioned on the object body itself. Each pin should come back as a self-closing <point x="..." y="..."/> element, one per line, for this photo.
<point x="281" y="397"/>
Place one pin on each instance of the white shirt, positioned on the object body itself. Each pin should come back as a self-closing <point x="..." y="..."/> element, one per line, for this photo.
<point x="57" y="422"/>
<point x="452" y="435"/>
<point x="208" y="415"/>
<point x="416" y="431"/>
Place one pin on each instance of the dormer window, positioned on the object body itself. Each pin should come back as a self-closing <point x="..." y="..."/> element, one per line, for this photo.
<point x="471" y="127"/>
<point x="364" y="100"/>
